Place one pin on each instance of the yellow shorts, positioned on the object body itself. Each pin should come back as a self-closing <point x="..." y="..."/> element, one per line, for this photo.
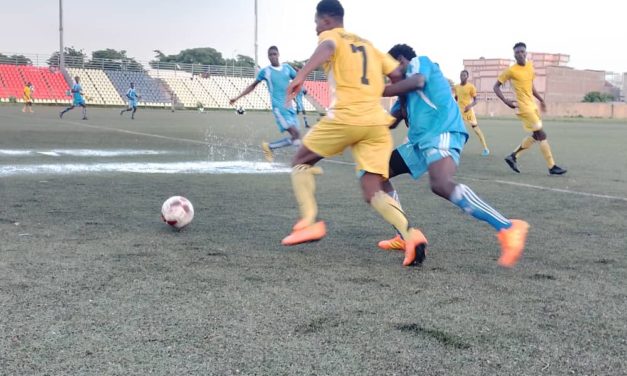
<point x="469" y="117"/>
<point x="371" y="145"/>
<point x="531" y="120"/>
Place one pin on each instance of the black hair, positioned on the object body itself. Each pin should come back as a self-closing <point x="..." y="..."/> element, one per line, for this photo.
<point x="468" y="73"/>
<point x="402" y="50"/>
<point x="330" y="8"/>
<point x="520" y="44"/>
<point x="273" y="48"/>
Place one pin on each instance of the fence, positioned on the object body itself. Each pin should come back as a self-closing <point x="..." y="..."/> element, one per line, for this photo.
<point x="135" y="65"/>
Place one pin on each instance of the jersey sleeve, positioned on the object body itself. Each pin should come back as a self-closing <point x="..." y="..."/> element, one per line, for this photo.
<point x="419" y="65"/>
<point x="261" y="75"/>
<point x="505" y="76"/>
<point x="388" y="63"/>
<point x="291" y="70"/>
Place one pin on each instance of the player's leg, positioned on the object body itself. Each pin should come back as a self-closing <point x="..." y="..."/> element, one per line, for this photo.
<point x="84" y="106"/>
<point x="307" y="228"/>
<point x="479" y="133"/>
<point x="325" y="140"/>
<point x="304" y="116"/>
<point x="397" y="167"/>
<point x="545" y="148"/>
<point x="511" y="233"/>
<point x="134" y="111"/>
<point x="286" y="121"/>
<point x="531" y="123"/>
<point x="470" y="119"/>
<point x="372" y="155"/>
<point x="66" y="110"/>
<point x="30" y="106"/>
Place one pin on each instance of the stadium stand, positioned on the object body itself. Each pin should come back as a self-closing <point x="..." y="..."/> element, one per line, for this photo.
<point x="105" y="82"/>
<point x="49" y="86"/>
<point x="152" y="91"/>
<point x="319" y="90"/>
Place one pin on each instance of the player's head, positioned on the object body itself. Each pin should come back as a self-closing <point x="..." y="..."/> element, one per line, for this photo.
<point x="463" y="76"/>
<point x="520" y="53"/>
<point x="77" y="79"/>
<point x="273" y="55"/>
<point x="329" y="15"/>
<point x="132" y="85"/>
<point x="29" y="84"/>
<point x="403" y="54"/>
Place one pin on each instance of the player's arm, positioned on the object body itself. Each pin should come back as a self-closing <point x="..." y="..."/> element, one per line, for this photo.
<point x="412" y="83"/>
<point x="323" y="52"/>
<point x="499" y="93"/>
<point x="539" y="97"/>
<point x="246" y="91"/>
<point x="471" y="105"/>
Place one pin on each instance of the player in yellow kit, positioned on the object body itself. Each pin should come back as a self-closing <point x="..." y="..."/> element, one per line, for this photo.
<point x="356" y="119"/>
<point x="521" y="75"/>
<point x="466" y="97"/>
<point x="28" y="98"/>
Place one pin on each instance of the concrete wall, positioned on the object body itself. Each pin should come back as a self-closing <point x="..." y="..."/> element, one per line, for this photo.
<point x="569" y="85"/>
<point x="594" y="110"/>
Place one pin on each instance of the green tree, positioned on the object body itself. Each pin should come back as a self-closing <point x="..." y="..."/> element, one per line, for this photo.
<point x="111" y="59"/>
<point x="15" y="60"/>
<point x="73" y="58"/>
<point x="203" y="55"/>
<point x="597" y="97"/>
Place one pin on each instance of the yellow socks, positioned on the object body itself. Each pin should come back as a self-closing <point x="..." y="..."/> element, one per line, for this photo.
<point x="481" y="136"/>
<point x="391" y="211"/>
<point x="526" y="143"/>
<point x="545" y="148"/>
<point x="304" y="185"/>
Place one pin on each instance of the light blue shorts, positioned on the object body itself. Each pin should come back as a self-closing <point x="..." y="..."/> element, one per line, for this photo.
<point x="419" y="159"/>
<point x="285" y="118"/>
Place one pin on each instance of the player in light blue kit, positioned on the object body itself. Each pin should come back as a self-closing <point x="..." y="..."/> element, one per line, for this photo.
<point x="436" y="138"/>
<point x="78" y="100"/>
<point x="133" y="98"/>
<point x="300" y="107"/>
<point x="277" y="77"/>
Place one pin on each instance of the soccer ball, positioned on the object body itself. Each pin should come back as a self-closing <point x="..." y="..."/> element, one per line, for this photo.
<point x="177" y="211"/>
<point x="240" y="110"/>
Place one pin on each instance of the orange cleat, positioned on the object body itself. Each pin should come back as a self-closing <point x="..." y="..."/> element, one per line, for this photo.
<point x="415" y="248"/>
<point x="306" y="234"/>
<point x="395" y="244"/>
<point x="512" y="243"/>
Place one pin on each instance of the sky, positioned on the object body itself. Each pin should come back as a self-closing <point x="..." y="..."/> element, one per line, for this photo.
<point x="448" y="31"/>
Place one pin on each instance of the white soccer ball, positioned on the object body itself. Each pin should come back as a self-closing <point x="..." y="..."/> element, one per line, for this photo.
<point x="177" y="211"/>
<point x="240" y="110"/>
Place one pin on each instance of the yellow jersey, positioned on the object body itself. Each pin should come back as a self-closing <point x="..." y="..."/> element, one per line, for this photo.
<point x="27" y="93"/>
<point x="355" y="74"/>
<point x="465" y="94"/>
<point x="522" y="81"/>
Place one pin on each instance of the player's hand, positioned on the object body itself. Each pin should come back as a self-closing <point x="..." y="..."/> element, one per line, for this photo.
<point x="543" y="106"/>
<point x="232" y="101"/>
<point x="292" y="90"/>
<point x="467" y="108"/>
<point x="512" y="104"/>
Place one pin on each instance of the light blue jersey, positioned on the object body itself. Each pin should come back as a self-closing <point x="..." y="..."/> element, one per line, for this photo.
<point x="299" y="100"/>
<point x="76" y="93"/>
<point x="277" y="79"/>
<point x="436" y="129"/>
<point x="132" y="97"/>
<point x="433" y="110"/>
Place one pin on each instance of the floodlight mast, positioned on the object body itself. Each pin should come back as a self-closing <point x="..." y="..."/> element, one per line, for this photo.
<point x="61" y="57"/>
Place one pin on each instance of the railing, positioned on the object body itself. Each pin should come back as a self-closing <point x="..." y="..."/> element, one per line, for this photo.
<point x="135" y="65"/>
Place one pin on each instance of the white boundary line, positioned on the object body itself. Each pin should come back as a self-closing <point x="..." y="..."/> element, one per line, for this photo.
<point x="559" y="190"/>
<point x="539" y="187"/>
